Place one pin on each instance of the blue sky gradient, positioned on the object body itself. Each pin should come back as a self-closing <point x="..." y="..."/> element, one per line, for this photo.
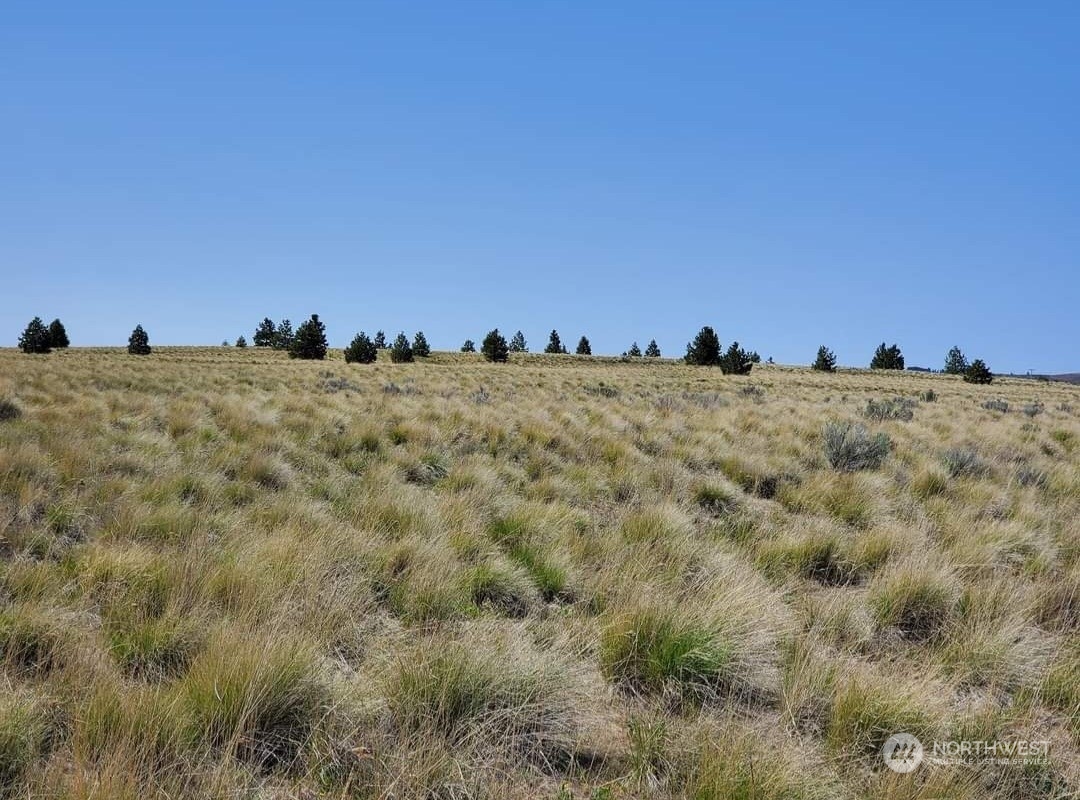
<point x="791" y="173"/>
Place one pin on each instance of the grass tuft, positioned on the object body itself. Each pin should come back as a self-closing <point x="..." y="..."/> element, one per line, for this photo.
<point x="918" y="600"/>
<point x="654" y="651"/>
<point x="256" y="698"/>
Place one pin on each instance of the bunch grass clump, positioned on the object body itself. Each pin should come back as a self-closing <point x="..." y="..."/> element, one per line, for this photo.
<point x="894" y="408"/>
<point x="497" y="696"/>
<point x="918" y="600"/>
<point x="256" y="698"/>
<point x="654" y="651"/>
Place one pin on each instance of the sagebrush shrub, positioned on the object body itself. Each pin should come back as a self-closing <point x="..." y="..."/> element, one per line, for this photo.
<point x="960" y="461"/>
<point x="850" y="447"/>
<point x="896" y="408"/>
<point x="9" y="409"/>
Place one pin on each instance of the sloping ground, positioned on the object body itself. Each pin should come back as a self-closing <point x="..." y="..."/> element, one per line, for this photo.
<point x="225" y="574"/>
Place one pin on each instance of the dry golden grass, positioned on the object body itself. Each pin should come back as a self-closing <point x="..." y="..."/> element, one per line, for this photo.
<point x="228" y="574"/>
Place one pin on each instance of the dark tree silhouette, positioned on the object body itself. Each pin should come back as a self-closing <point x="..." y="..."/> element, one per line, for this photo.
<point x="825" y="361"/>
<point x="978" y="372"/>
<point x="310" y="340"/>
<point x="265" y="334"/>
<point x="887" y="357"/>
<point x="139" y="342"/>
<point x="737" y="361"/>
<point x="58" y="337"/>
<point x="955" y="362"/>
<point x="284" y="336"/>
<point x="361" y="350"/>
<point x="401" y="351"/>
<point x="554" y="344"/>
<point x="420" y="346"/>
<point x="494" y="347"/>
<point x="704" y="351"/>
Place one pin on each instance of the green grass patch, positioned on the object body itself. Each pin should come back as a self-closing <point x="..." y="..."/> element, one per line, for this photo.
<point x="653" y="651"/>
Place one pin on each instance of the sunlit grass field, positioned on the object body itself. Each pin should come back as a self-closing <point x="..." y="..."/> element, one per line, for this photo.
<point x="226" y="574"/>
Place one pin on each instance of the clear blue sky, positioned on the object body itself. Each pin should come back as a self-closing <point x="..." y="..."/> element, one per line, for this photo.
<point x="791" y="173"/>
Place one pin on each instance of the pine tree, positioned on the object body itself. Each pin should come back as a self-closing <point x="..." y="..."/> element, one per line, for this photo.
<point x="35" y="339"/>
<point x="554" y="344"/>
<point x="284" y="336"/>
<point x="494" y="347"/>
<point x="736" y="361"/>
<point x="583" y="347"/>
<point x="241" y="341"/>
<point x="401" y="352"/>
<point x="310" y="340"/>
<point x="955" y="363"/>
<point x="634" y="351"/>
<point x="380" y="340"/>
<point x="653" y="350"/>
<point x="420" y="346"/>
<point x="139" y="342"/>
<point x="265" y="334"/>
<point x="825" y="361"/>
<point x="361" y="350"/>
<point x="517" y="343"/>
<point x="704" y="351"/>
<point x="469" y="346"/>
<point x="978" y="372"/>
<point x="58" y="337"/>
<point x="887" y="357"/>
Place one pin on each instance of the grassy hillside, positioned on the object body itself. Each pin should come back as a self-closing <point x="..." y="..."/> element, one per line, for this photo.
<point x="225" y="574"/>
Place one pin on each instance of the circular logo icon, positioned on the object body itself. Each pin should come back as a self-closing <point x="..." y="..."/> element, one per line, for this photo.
<point x="902" y="752"/>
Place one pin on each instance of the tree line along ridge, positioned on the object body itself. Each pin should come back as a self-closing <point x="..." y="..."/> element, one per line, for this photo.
<point x="308" y="341"/>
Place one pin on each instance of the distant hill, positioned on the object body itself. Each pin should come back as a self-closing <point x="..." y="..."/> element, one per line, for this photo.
<point x="1067" y="377"/>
